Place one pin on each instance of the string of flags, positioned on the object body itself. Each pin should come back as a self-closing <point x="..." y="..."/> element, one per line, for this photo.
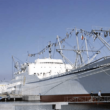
<point x="83" y="32"/>
<point x="31" y="55"/>
<point x="53" y="44"/>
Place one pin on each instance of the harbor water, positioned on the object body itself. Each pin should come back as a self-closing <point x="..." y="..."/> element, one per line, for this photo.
<point x="23" y="105"/>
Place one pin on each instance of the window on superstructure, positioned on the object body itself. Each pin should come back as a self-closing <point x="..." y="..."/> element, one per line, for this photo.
<point x="51" y="62"/>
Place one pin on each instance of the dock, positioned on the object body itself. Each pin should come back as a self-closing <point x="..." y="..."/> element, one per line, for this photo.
<point x="58" y="98"/>
<point x="13" y="102"/>
<point x="14" y="105"/>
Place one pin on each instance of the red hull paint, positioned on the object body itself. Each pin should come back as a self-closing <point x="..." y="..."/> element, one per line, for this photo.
<point x="77" y="98"/>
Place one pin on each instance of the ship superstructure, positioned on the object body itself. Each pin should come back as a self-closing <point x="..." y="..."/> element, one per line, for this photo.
<point x="47" y="67"/>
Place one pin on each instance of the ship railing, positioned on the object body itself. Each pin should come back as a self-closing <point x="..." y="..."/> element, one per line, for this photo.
<point x="87" y="99"/>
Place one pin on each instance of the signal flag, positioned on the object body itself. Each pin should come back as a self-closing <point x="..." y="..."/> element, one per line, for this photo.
<point x="82" y="37"/>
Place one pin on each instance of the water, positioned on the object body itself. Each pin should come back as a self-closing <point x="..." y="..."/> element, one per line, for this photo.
<point x="23" y="105"/>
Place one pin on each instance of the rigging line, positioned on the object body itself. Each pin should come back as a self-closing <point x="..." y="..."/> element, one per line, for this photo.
<point x="86" y="39"/>
<point x="89" y="57"/>
<point x="101" y="47"/>
<point x="84" y="54"/>
<point x="12" y="68"/>
<point x="89" y="41"/>
<point x="90" y="46"/>
<point x="104" y="45"/>
<point x="54" y="49"/>
<point x="92" y="51"/>
<point x="82" y="49"/>
<point x="102" y="53"/>
<point x="82" y="43"/>
<point x="18" y="59"/>
<point x="104" y="49"/>
<point x="67" y="43"/>
<point x="27" y="59"/>
<point x="84" y="46"/>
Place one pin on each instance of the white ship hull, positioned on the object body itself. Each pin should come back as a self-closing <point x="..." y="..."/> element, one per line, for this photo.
<point x="83" y="81"/>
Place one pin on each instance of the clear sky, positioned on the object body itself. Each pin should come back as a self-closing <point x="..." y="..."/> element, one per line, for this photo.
<point x="28" y="25"/>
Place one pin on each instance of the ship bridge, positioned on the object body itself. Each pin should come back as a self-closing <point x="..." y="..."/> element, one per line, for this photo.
<point x="49" y="61"/>
<point x="47" y="67"/>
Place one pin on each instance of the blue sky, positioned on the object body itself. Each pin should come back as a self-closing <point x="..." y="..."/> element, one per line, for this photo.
<point x="28" y="25"/>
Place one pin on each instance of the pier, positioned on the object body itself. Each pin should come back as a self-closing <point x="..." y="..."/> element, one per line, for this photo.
<point x="14" y="105"/>
<point x="58" y="102"/>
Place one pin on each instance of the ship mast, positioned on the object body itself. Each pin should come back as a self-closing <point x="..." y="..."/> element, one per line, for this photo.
<point x="86" y="48"/>
<point x="78" y="53"/>
<point x="61" y="53"/>
<point x="60" y="49"/>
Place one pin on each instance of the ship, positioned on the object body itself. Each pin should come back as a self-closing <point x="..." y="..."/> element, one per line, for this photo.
<point x="3" y="86"/>
<point x="52" y="77"/>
